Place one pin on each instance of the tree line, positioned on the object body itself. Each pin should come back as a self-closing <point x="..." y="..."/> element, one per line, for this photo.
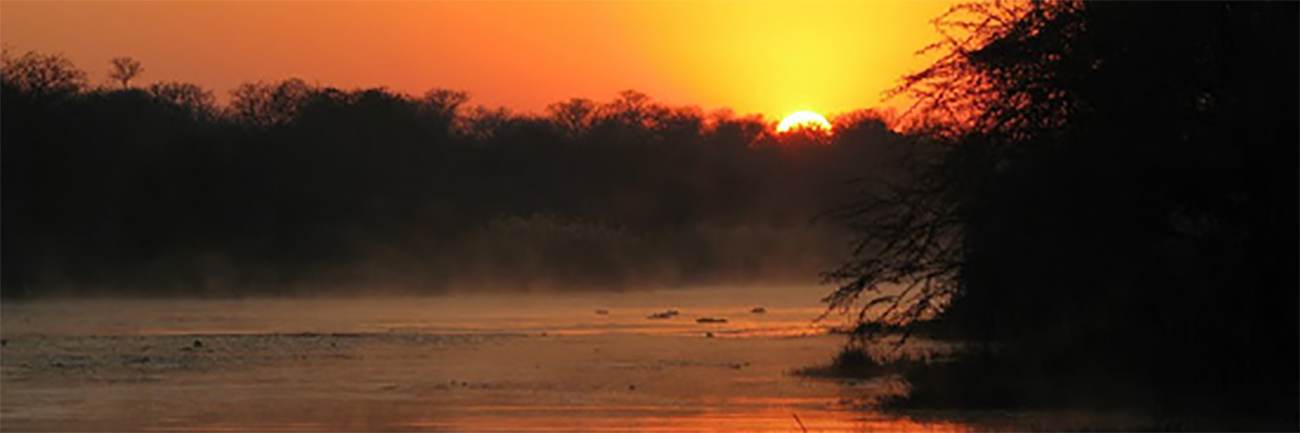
<point x="158" y="187"/>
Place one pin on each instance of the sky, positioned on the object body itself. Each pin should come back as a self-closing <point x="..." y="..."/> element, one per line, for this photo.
<point x="771" y="58"/>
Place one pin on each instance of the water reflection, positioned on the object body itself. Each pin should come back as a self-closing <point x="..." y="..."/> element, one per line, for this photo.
<point x="776" y="415"/>
<point x="431" y="364"/>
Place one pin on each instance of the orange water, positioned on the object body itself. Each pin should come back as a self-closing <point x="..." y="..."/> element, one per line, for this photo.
<point x="533" y="362"/>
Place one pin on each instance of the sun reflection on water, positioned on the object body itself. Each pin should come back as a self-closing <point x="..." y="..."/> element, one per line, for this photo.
<point x="742" y="414"/>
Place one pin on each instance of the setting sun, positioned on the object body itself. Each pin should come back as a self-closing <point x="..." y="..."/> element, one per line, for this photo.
<point x="673" y="216"/>
<point x="806" y="119"/>
<point x="835" y="56"/>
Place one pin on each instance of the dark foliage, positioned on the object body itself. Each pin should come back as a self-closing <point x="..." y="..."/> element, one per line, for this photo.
<point x="1114" y="205"/>
<point x="157" y="189"/>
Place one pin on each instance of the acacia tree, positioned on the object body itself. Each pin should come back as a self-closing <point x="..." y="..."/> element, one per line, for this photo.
<point x="192" y="99"/>
<point x="1118" y="176"/>
<point x="266" y="105"/>
<point x="631" y="109"/>
<point x="1008" y="92"/>
<point x="573" y="116"/>
<point x="124" y="69"/>
<point x="726" y="131"/>
<point x="1117" y="186"/>
<point x="39" y="75"/>
<point x="482" y="124"/>
<point x="440" y="108"/>
<point x="911" y="245"/>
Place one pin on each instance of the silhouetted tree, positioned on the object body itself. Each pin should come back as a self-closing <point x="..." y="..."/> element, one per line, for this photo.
<point x="680" y="126"/>
<point x="573" y="116"/>
<point x="731" y="132"/>
<point x="442" y="106"/>
<point x="124" y="69"/>
<point x="188" y="97"/>
<point x="266" y="105"/>
<point x="41" y="75"/>
<point x="482" y="123"/>
<point x="160" y="191"/>
<point x="1109" y="177"/>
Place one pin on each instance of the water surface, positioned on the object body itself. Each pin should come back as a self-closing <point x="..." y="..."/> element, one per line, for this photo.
<point x="519" y="362"/>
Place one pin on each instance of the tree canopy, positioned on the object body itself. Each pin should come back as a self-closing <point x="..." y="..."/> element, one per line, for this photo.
<point x="1113" y="188"/>
<point x="156" y="188"/>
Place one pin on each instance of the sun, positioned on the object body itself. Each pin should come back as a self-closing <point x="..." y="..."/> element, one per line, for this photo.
<point x="805" y="119"/>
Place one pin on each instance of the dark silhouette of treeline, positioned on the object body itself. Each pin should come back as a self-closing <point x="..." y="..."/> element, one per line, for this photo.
<point x="1113" y="218"/>
<point x="294" y="187"/>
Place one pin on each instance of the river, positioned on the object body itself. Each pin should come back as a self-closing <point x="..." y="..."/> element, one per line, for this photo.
<point x="589" y="361"/>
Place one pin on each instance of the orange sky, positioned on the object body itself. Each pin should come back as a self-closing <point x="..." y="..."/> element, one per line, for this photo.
<point x="764" y="57"/>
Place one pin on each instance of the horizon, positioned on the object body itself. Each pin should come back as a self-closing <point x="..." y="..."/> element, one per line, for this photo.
<point x="649" y="216"/>
<point x="837" y="57"/>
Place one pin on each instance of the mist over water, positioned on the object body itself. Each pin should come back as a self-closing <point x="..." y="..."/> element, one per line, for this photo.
<point x="787" y="311"/>
<point x="304" y="189"/>
<point x="590" y="361"/>
<point x="545" y="361"/>
<point x="1086" y="222"/>
<point x="322" y="259"/>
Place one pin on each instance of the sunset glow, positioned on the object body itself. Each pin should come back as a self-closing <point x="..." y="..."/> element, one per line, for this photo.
<point x="648" y="216"/>
<point x="762" y="57"/>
